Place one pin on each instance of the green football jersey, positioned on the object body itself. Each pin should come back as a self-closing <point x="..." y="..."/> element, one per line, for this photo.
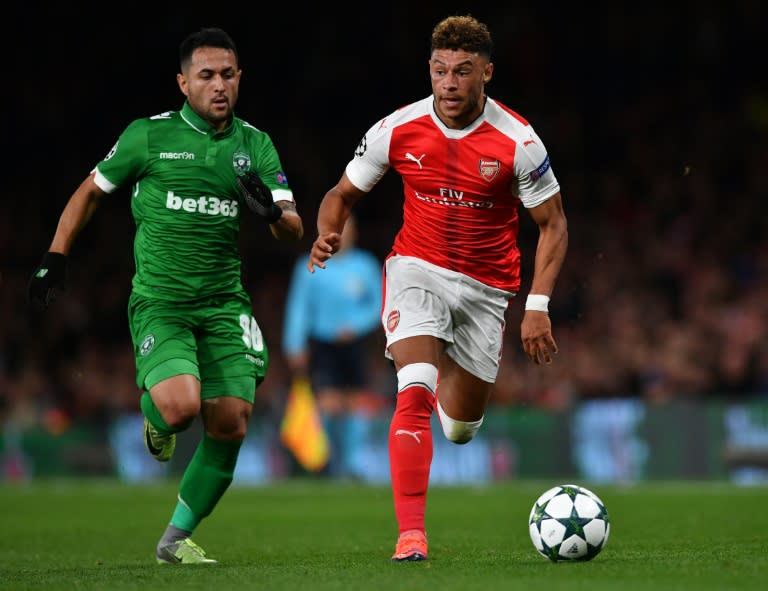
<point x="185" y="201"/>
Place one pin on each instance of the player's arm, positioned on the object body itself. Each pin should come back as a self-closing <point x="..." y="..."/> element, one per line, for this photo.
<point x="334" y="210"/>
<point x="281" y="215"/>
<point x="536" y="328"/>
<point x="273" y="203"/>
<point x="50" y="276"/>
<point x="289" y="226"/>
<point x="76" y="214"/>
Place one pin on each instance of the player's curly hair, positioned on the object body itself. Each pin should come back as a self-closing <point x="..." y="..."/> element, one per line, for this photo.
<point x="462" y="32"/>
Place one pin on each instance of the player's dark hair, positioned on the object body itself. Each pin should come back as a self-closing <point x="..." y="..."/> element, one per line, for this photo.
<point x="462" y="32"/>
<point x="207" y="37"/>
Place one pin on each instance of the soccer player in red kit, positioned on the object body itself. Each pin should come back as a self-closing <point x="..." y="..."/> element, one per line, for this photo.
<point x="467" y="162"/>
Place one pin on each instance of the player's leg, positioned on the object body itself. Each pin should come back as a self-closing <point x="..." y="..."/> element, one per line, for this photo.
<point x="470" y="365"/>
<point x="206" y="478"/>
<point x="166" y="369"/>
<point x="233" y="361"/>
<point x="173" y="404"/>
<point x="339" y="370"/>
<point x="461" y="401"/>
<point x="417" y="323"/>
<point x="357" y="425"/>
<point x="460" y="397"/>
<point x="169" y="406"/>
<point x="331" y="406"/>
<point x="410" y="441"/>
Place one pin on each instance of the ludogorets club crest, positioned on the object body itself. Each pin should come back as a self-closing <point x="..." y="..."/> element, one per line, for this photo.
<point x="241" y="163"/>
<point x="147" y="344"/>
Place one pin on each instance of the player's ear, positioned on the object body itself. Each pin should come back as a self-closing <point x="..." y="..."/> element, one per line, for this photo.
<point x="182" y="82"/>
<point x="488" y="73"/>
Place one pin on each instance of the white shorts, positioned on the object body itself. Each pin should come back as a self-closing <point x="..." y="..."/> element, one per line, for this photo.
<point x="423" y="299"/>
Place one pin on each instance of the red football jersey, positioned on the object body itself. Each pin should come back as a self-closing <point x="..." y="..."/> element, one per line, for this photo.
<point x="462" y="187"/>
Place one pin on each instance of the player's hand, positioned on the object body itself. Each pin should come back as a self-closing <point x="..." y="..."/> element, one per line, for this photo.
<point x="48" y="280"/>
<point x="536" y="334"/>
<point x="258" y="197"/>
<point x="322" y="250"/>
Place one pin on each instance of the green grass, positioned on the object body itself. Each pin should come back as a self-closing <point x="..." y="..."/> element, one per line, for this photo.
<point x="308" y="535"/>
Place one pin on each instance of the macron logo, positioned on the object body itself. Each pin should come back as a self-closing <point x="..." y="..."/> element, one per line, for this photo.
<point x="409" y="156"/>
<point x="177" y="156"/>
<point x="414" y="434"/>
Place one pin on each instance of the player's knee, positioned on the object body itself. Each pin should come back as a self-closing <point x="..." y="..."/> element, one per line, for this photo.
<point x="417" y="374"/>
<point x="178" y="414"/>
<point x="226" y="418"/>
<point x="457" y="431"/>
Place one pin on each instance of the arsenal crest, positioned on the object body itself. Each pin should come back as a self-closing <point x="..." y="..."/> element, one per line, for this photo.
<point x="393" y="320"/>
<point x="489" y="168"/>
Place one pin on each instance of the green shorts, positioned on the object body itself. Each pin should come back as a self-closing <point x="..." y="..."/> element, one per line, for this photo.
<point x="217" y="340"/>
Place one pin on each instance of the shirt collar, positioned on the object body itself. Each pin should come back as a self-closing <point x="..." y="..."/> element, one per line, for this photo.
<point x="200" y="125"/>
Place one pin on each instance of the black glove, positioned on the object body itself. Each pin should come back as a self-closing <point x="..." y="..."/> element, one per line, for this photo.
<point x="47" y="280"/>
<point x="258" y="197"/>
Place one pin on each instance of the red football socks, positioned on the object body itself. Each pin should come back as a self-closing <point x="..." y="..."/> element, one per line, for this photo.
<point x="410" y="455"/>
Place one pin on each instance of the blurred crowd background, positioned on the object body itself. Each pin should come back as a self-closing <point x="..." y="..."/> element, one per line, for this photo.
<point x="655" y="117"/>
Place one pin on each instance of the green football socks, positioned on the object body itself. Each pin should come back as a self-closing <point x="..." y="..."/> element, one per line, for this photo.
<point x="205" y="480"/>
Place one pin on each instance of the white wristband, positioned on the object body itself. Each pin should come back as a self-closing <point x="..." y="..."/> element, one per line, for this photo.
<point x="537" y="302"/>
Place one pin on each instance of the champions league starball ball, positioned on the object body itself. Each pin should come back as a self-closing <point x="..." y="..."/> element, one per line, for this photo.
<point x="569" y="523"/>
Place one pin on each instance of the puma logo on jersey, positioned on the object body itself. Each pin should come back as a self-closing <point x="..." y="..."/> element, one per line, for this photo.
<point x="409" y="156"/>
<point x="414" y="434"/>
<point x="528" y="142"/>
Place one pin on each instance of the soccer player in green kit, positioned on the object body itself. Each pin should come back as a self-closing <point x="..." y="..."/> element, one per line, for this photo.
<point x="198" y="349"/>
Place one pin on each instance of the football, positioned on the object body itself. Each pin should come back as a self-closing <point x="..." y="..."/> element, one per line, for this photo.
<point x="569" y="523"/>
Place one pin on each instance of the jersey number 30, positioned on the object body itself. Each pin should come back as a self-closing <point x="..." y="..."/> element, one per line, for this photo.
<point x="251" y="333"/>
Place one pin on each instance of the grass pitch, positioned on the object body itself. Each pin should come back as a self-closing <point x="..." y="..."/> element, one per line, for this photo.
<point x="317" y="535"/>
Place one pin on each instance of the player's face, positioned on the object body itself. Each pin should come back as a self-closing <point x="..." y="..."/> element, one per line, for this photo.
<point x="211" y="83"/>
<point x="458" y="85"/>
